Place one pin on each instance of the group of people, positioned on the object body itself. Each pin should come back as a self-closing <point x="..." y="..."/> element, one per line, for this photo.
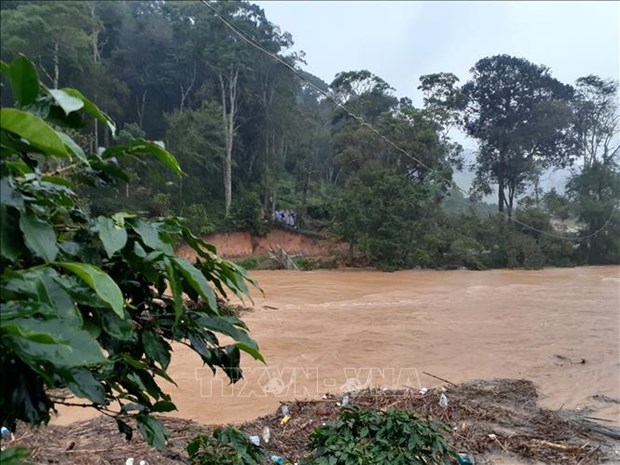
<point x="288" y="217"/>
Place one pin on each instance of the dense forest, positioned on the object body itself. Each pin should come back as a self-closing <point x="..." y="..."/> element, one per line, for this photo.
<point x="349" y="157"/>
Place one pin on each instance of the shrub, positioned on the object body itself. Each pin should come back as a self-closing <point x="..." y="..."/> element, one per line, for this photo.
<point x="227" y="446"/>
<point x="366" y="437"/>
<point x="92" y="304"/>
<point x="197" y="219"/>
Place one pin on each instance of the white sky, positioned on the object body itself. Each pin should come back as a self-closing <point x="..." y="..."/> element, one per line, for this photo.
<point x="400" y="40"/>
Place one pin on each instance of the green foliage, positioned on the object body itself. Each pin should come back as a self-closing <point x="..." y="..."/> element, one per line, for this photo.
<point x="384" y="215"/>
<point x="93" y="304"/>
<point x="519" y="113"/>
<point x="247" y="214"/>
<point x="365" y="437"/>
<point x="467" y="252"/>
<point x="595" y="192"/>
<point x="171" y="71"/>
<point x="227" y="446"/>
<point x="14" y="456"/>
<point x="197" y="219"/>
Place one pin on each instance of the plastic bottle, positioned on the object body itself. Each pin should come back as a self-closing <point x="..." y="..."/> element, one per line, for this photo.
<point x="465" y="459"/>
<point x="277" y="459"/>
<point x="266" y="434"/>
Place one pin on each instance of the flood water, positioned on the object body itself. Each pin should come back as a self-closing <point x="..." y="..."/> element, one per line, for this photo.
<point x="328" y="331"/>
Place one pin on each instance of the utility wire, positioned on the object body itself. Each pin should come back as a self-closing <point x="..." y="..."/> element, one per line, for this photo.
<point x="363" y="122"/>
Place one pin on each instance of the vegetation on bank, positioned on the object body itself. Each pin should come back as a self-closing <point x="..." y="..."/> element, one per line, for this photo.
<point x="252" y="137"/>
<point x="90" y="305"/>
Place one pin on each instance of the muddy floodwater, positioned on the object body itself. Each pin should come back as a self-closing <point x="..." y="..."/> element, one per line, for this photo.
<point x="329" y="331"/>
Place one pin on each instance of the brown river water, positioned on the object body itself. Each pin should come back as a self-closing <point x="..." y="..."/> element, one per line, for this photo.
<point x="335" y="330"/>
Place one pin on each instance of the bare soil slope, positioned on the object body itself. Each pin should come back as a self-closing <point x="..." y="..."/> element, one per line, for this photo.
<point x="243" y="244"/>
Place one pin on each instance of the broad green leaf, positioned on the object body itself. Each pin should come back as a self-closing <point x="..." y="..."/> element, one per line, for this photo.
<point x="175" y="288"/>
<point x="100" y="282"/>
<point x="40" y="237"/>
<point x="149" y="233"/>
<point x="252" y="351"/>
<point x="113" y="238"/>
<point x="156" y="348"/>
<point x="70" y="143"/>
<point x="197" y="280"/>
<point x="92" y="109"/>
<point x="4" y="67"/>
<point x="12" y="327"/>
<point x="84" y="384"/>
<point x="221" y="325"/>
<point x="24" y="81"/>
<point x="52" y="341"/>
<point x="132" y="362"/>
<point x="139" y="250"/>
<point x="34" y="130"/>
<point x="58" y="180"/>
<point x="120" y="217"/>
<point x="163" y="406"/>
<point x="116" y="327"/>
<point x="10" y="237"/>
<point x="145" y="147"/>
<point x="52" y="289"/>
<point x="18" y="167"/>
<point x="152" y="431"/>
<point x="67" y="102"/>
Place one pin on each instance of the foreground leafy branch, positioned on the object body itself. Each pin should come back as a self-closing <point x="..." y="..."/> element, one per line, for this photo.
<point x="88" y="304"/>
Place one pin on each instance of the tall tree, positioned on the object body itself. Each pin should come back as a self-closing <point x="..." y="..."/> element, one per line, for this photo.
<point x="230" y="63"/>
<point x="597" y="123"/>
<point x="58" y="35"/>
<point x="595" y="186"/>
<point x="520" y="115"/>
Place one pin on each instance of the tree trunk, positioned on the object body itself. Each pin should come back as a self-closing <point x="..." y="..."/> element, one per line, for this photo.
<point x="140" y="107"/>
<point x="500" y="194"/>
<point x="511" y="196"/>
<point x="185" y="91"/>
<point x="304" y="196"/>
<point x="228" y="87"/>
<point x="56" y="59"/>
<point x="95" y="136"/>
<point x="95" y="47"/>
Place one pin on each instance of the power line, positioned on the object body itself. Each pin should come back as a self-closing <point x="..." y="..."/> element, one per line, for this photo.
<point x="363" y="122"/>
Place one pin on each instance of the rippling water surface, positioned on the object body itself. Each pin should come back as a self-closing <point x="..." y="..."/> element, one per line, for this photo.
<point x="330" y="330"/>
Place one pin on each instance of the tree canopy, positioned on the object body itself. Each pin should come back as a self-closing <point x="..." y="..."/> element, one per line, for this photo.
<point x="253" y="137"/>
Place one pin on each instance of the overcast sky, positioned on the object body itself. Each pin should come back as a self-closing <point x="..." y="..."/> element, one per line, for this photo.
<point x="400" y="41"/>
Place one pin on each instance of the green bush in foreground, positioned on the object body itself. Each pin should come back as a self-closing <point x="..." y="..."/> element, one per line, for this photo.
<point x="366" y="437"/>
<point x="227" y="446"/>
<point x="92" y="304"/>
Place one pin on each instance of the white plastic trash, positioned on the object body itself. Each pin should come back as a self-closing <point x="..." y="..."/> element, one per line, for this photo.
<point x="266" y="434"/>
<point x="443" y="400"/>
